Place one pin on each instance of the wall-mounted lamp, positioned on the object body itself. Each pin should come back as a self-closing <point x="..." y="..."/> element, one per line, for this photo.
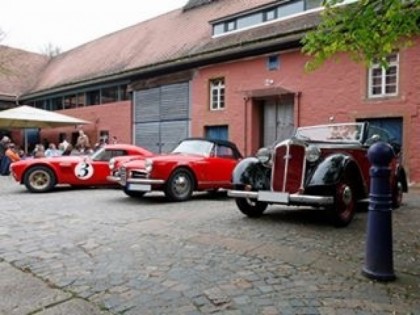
<point x="269" y="82"/>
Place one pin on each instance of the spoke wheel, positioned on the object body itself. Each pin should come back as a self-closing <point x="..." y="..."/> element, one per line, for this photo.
<point x="180" y="185"/>
<point x="397" y="195"/>
<point x="39" y="179"/>
<point x="251" y="208"/>
<point x="344" y="206"/>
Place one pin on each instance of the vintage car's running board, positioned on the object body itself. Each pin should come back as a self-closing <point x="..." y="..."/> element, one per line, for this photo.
<point x="283" y="198"/>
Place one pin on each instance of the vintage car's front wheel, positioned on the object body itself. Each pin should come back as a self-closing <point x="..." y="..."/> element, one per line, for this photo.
<point x="39" y="179"/>
<point x="344" y="207"/>
<point x="134" y="194"/>
<point x="180" y="185"/>
<point x="397" y="195"/>
<point x="251" y="208"/>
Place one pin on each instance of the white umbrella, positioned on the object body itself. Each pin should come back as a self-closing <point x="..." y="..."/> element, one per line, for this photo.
<point x="30" y="117"/>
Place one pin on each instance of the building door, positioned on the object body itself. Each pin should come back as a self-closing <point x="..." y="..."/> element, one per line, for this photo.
<point x="217" y="132"/>
<point x="278" y="120"/>
<point x="393" y="125"/>
<point x="162" y="116"/>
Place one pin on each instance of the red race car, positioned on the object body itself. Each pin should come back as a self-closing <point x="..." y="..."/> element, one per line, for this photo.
<point x="43" y="174"/>
<point x="196" y="164"/>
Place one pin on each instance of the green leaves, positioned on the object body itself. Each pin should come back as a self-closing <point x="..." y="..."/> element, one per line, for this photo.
<point x="368" y="30"/>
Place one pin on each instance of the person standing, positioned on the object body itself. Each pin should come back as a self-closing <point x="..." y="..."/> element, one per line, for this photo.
<point x="4" y="160"/>
<point x="3" y="145"/>
<point x="82" y="141"/>
<point x="12" y="153"/>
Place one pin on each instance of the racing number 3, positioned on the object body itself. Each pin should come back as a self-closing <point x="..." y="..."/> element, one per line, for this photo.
<point x="83" y="170"/>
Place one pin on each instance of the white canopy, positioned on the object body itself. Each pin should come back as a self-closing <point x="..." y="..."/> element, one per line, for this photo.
<point x="30" y="117"/>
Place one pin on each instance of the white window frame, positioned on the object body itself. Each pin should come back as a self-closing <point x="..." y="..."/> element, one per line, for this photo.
<point x="217" y="94"/>
<point x="383" y="76"/>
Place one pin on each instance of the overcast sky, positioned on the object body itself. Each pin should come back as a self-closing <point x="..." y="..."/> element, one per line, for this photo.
<point x="34" y="24"/>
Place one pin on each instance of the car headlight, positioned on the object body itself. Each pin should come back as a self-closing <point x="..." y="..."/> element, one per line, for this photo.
<point x="264" y="156"/>
<point x="313" y="153"/>
<point x="111" y="164"/>
<point x="148" y="165"/>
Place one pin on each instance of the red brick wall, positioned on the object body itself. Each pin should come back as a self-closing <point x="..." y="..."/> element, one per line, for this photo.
<point x="338" y="89"/>
<point x="114" y="117"/>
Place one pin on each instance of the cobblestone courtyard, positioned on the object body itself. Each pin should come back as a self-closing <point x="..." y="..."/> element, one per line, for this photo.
<point x="137" y="257"/>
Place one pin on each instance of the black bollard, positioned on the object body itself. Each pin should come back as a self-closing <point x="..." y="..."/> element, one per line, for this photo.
<point x="379" y="255"/>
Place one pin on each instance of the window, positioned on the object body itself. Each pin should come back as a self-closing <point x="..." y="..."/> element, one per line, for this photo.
<point x="92" y="97"/>
<point x="57" y="103"/>
<point x="273" y="62"/>
<point x="81" y="100"/>
<point x="270" y="15"/>
<point x="230" y="26"/>
<point x="109" y="95"/>
<point x="384" y="81"/>
<point x="218" y="29"/>
<point x="217" y="94"/>
<point x="249" y="20"/>
<point x="312" y="4"/>
<point x="70" y="101"/>
<point x="124" y="95"/>
<point x="290" y="8"/>
<point x="267" y="14"/>
<point x="39" y="104"/>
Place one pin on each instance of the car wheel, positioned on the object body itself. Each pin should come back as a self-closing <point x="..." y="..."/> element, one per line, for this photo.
<point x="180" y="185"/>
<point x="134" y="194"/>
<point x="39" y="179"/>
<point x="251" y="208"/>
<point x="344" y="207"/>
<point x="397" y="195"/>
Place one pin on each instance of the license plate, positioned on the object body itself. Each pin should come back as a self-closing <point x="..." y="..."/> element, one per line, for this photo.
<point x="139" y="187"/>
<point x="275" y="197"/>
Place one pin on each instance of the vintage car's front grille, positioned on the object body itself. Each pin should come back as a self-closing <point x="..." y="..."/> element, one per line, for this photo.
<point x="289" y="167"/>
<point x="138" y="174"/>
<point x="124" y="175"/>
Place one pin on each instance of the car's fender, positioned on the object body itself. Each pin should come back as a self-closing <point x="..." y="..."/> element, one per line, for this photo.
<point x="330" y="170"/>
<point x="250" y="171"/>
<point x="43" y="164"/>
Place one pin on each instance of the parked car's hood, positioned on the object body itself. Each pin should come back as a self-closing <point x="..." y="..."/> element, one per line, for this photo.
<point x="164" y="158"/>
<point x="177" y="157"/>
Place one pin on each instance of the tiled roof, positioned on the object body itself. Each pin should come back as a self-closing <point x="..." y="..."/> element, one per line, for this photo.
<point x="173" y="38"/>
<point x="19" y="70"/>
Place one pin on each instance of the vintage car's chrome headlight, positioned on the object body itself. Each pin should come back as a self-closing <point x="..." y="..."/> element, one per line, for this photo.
<point x="111" y="164"/>
<point x="312" y="153"/>
<point x="148" y="165"/>
<point x="264" y="156"/>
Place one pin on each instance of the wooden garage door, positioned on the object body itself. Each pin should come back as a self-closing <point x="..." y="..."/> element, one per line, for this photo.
<point x="278" y="120"/>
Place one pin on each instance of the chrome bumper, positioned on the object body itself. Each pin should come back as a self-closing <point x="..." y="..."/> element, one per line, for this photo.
<point x="145" y="181"/>
<point x="283" y="198"/>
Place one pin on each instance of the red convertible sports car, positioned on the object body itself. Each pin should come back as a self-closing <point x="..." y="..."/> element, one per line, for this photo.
<point x="196" y="164"/>
<point x="43" y="174"/>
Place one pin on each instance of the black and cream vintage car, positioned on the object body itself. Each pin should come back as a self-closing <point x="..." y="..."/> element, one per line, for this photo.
<point x="324" y="166"/>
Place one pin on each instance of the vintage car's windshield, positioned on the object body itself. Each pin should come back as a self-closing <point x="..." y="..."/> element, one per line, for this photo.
<point x="100" y="155"/>
<point x="104" y="154"/>
<point x="199" y="147"/>
<point x="349" y="132"/>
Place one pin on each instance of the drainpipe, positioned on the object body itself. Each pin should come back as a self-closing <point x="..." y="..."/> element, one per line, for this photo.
<point x="246" y="100"/>
<point x="297" y="105"/>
